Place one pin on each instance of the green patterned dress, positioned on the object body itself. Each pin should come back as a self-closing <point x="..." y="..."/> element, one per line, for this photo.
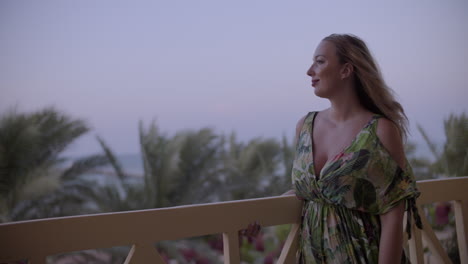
<point x="341" y="222"/>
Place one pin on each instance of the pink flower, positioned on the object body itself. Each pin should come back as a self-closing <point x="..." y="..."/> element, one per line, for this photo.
<point x="268" y="259"/>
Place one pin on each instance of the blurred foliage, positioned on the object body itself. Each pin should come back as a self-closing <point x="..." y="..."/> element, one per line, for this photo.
<point x="255" y="169"/>
<point x="421" y="166"/>
<point x="34" y="177"/>
<point x="199" y="167"/>
<point x="452" y="160"/>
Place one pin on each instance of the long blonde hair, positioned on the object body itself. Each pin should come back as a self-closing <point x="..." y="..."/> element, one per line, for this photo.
<point x="371" y="89"/>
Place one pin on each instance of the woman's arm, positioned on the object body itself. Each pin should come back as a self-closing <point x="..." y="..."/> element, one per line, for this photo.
<point x="391" y="237"/>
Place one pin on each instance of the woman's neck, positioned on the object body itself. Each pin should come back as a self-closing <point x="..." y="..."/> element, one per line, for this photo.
<point x="345" y="105"/>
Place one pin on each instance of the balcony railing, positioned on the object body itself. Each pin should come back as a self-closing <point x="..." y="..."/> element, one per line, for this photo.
<point x="446" y="190"/>
<point x="35" y="240"/>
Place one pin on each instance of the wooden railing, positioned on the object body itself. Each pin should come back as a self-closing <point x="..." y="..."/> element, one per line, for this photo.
<point x="446" y="190"/>
<point x="35" y="240"/>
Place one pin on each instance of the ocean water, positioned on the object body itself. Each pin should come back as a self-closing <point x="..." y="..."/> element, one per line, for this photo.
<point x="131" y="164"/>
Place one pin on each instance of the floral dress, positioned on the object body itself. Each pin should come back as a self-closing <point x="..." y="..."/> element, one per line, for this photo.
<point x="340" y="218"/>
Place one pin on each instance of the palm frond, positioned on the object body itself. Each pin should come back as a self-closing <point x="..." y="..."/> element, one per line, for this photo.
<point x="84" y="165"/>
<point x="112" y="158"/>
<point x="432" y="146"/>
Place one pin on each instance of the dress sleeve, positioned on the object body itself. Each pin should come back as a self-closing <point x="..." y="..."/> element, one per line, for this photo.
<point x="389" y="185"/>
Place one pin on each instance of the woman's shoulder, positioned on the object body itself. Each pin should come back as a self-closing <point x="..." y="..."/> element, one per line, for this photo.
<point x="387" y="129"/>
<point x="307" y="117"/>
<point x="300" y="124"/>
<point x="302" y="120"/>
<point x="389" y="135"/>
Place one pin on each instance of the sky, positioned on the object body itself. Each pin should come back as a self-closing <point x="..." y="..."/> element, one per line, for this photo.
<point x="230" y="65"/>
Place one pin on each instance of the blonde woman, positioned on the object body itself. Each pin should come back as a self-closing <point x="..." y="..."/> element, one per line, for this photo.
<point x="350" y="168"/>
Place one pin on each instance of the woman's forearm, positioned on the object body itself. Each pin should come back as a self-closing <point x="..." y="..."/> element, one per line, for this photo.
<point x="391" y="237"/>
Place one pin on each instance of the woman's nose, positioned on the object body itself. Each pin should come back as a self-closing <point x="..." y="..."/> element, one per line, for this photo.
<point x="311" y="71"/>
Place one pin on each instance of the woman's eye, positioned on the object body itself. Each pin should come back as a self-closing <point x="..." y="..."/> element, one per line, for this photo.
<point x="320" y="61"/>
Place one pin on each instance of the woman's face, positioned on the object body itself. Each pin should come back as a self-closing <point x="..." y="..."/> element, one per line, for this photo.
<point x="325" y="70"/>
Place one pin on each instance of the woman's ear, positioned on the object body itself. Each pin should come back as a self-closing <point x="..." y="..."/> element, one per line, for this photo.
<point x="346" y="70"/>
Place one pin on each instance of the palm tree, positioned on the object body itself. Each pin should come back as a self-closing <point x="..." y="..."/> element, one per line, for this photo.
<point x="281" y="182"/>
<point x="31" y="165"/>
<point x="158" y="155"/>
<point x="420" y="165"/>
<point x="252" y="169"/>
<point x="196" y="178"/>
<point x="453" y="159"/>
<point x="173" y="169"/>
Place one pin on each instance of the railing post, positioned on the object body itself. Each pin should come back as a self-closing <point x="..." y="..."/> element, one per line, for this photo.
<point x="461" y="222"/>
<point x="231" y="247"/>
<point x="415" y="245"/>
<point x="143" y="253"/>
<point x="288" y="253"/>
<point x="433" y="242"/>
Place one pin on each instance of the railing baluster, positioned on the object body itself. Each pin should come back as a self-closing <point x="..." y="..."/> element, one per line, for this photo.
<point x="143" y="253"/>
<point x="231" y="247"/>
<point x="288" y="253"/>
<point x="415" y="245"/>
<point x="433" y="242"/>
<point x="461" y="222"/>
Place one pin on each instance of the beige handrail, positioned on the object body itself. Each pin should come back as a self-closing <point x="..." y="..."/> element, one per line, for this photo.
<point x="37" y="239"/>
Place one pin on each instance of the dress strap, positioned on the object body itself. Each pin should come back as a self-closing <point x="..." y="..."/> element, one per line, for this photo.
<point x="310" y="116"/>
<point x="308" y="120"/>
<point x="372" y="125"/>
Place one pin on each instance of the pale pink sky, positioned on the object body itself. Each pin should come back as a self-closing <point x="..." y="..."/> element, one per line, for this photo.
<point x="231" y="65"/>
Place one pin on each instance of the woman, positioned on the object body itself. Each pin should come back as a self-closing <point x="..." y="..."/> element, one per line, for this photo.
<point x="350" y="168"/>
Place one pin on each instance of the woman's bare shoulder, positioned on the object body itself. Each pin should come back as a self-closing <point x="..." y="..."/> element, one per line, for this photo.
<point x="390" y="137"/>
<point x="299" y="125"/>
<point x="387" y="130"/>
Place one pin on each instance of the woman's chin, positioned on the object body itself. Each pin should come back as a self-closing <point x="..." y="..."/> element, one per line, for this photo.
<point x="318" y="93"/>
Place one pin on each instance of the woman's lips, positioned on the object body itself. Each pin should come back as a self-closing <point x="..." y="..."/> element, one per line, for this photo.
<point x="314" y="82"/>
